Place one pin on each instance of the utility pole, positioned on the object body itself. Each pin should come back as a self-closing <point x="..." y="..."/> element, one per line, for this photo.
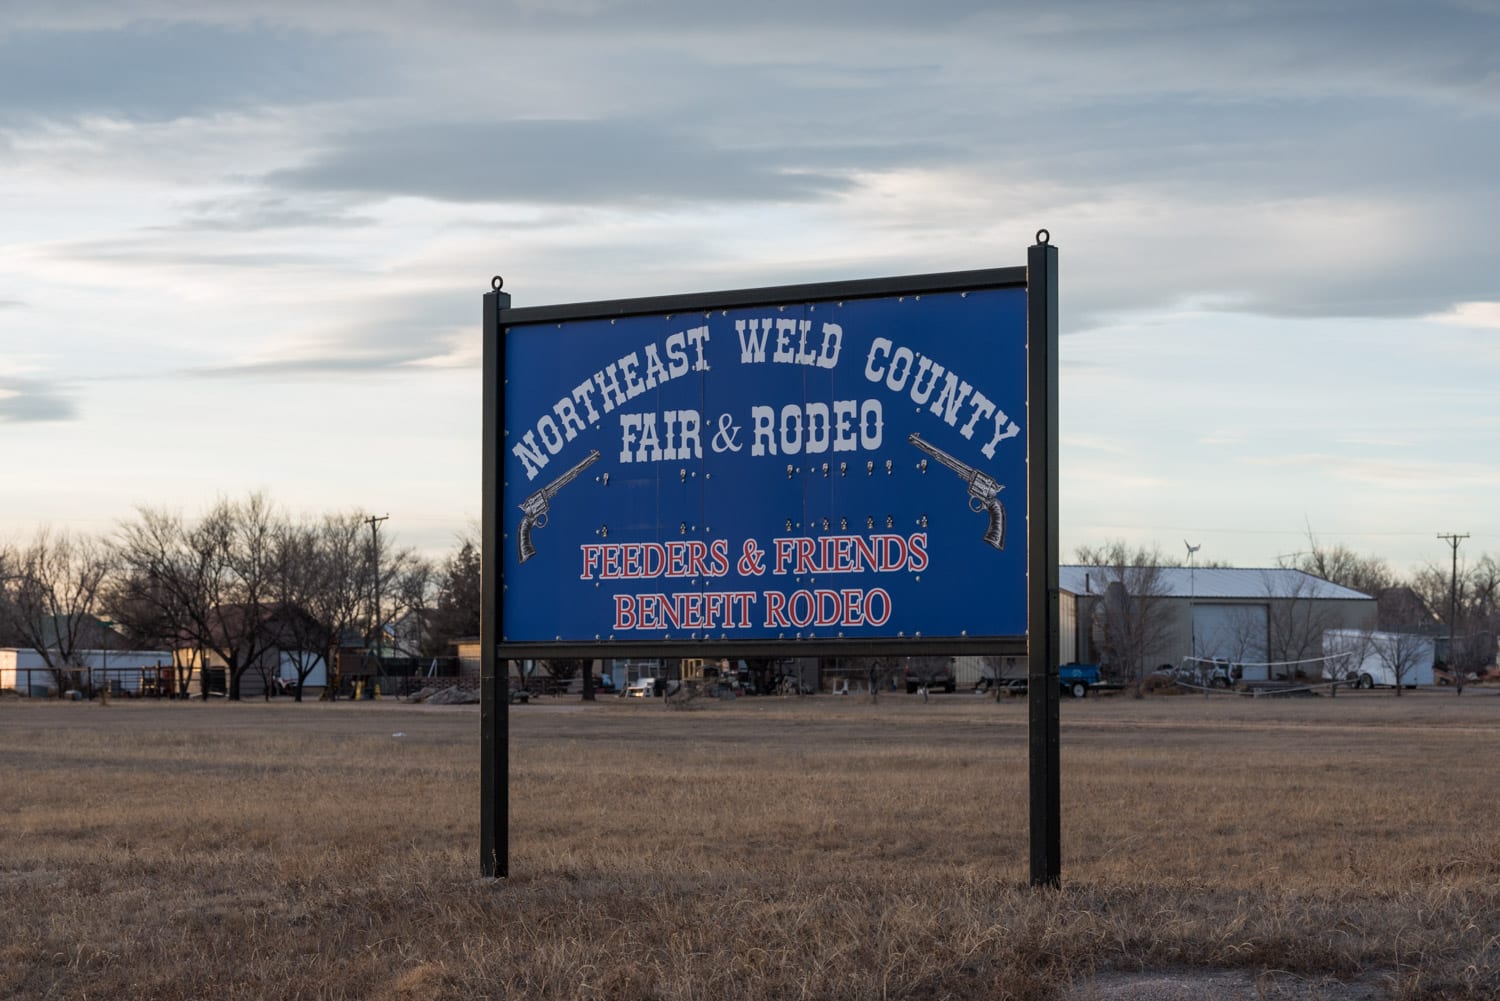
<point x="1453" y="539"/>
<point x="374" y="524"/>
<point x="1192" y="603"/>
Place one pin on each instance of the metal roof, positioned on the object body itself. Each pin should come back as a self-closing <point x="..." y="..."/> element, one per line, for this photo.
<point x="1216" y="582"/>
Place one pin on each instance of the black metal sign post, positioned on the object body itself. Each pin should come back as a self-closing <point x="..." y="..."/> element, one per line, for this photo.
<point x="1043" y="623"/>
<point x="494" y="697"/>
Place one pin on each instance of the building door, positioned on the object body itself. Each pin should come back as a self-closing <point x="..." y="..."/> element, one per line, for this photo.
<point x="1234" y="632"/>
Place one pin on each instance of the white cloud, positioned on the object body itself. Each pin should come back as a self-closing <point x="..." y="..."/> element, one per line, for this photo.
<point x="1484" y="315"/>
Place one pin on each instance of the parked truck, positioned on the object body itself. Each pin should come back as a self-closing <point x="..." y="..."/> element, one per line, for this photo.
<point x="931" y="673"/>
<point x="641" y="688"/>
<point x="1206" y="672"/>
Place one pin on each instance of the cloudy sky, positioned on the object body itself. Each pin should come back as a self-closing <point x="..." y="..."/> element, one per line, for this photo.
<point x="244" y="245"/>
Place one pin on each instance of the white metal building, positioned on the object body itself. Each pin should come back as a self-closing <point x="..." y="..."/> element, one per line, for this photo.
<point x="25" y="671"/>
<point x="1247" y="616"/>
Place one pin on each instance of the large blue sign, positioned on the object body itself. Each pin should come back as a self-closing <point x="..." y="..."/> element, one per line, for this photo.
<point x="814" y="470"/>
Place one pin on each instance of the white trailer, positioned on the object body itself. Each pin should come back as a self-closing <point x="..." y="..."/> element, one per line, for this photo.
<point x="1368" y="658"/>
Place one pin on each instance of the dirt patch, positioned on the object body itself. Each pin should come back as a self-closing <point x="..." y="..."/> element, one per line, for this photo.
<point x="1220" y="985"/>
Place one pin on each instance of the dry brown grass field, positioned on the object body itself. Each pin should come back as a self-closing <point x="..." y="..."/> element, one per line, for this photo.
<point x="763" y="848"/>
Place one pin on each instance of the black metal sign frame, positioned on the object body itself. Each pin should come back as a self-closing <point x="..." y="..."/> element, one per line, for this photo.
<point x="1040" y="643"/>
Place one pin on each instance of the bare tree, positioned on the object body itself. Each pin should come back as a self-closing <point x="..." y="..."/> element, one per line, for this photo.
<point x="49" y="593"/>
<point x="1483" y="621"/>
<point x="1341" y="565"/>
<point x="563" y="670"/>
<point x="1131" y="621"/>
<point x="455" y="610"/>
<point x="1401" y="654"/>
<point x="1432" y="584"/>
<point x="879" y="672"/>
<point x="237" y="537"/>
<point x="1295" y="620"/>
<point x="213" y="579"/>
<point x="162" y="587"/>
<point x="140" y="619"/>
<point x="1472" y="602"/>
<point x="9" y="634"/>
<point x="408" y="591"/>
<point x="302" y="579"/>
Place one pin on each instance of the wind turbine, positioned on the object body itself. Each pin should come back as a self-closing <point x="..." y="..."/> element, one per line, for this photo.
<point x="1192" y="596"/>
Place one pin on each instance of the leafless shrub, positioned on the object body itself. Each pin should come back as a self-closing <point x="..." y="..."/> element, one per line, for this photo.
<point x="1160" y="684"/>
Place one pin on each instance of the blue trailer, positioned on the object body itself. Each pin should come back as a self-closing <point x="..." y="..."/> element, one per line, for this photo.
<point x="1076" y="680"/>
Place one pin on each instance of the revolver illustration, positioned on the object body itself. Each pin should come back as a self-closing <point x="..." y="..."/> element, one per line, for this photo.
<point x="983" y="490"/>
<point x="534" y="508"/>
